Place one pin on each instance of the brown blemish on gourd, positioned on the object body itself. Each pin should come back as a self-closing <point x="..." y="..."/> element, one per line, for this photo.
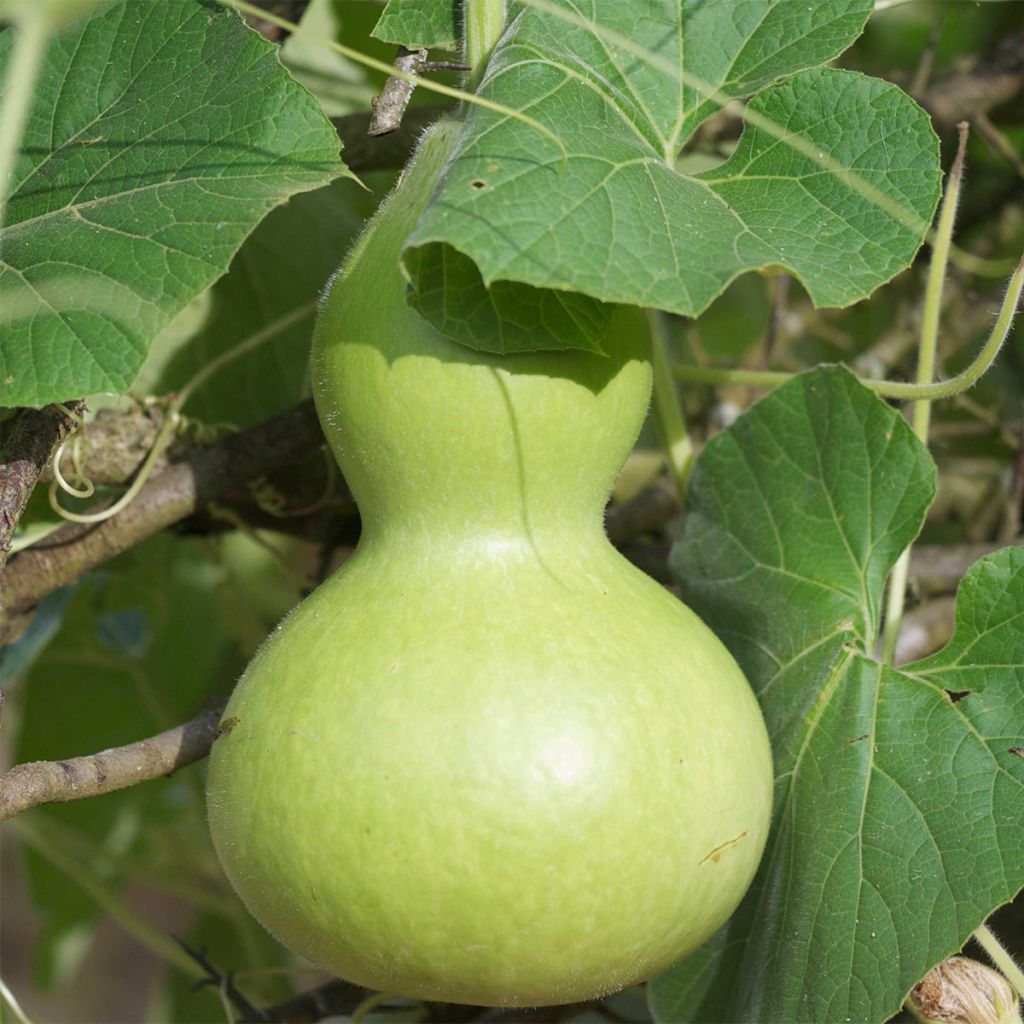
<point x="719" y="850"/>
<point x="226" y="726"/>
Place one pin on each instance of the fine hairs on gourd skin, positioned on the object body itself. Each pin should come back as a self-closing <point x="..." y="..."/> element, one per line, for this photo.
<point x="355" y="246"/>
<point x="527" y="751"/>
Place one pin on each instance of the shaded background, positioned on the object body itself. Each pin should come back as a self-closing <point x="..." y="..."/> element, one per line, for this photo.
<point x="93" y="892"/>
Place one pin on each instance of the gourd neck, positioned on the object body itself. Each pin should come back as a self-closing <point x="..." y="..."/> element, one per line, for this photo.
<point x="446" y="447"/>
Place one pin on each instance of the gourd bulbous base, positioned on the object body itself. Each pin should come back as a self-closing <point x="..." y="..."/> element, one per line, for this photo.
<point x="488" y="761"/>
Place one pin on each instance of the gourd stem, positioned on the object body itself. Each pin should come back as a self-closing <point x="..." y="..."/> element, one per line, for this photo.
<point x="900" y="390"/>
<point x="485" y="22"/>
<point x="29" y="46"/>
<point x="1008" y="967"/>
<point x="667" y="409"/>
<point x="921" y="414"/>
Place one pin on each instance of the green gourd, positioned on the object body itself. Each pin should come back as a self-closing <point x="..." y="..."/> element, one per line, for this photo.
<point x="488" y="761"/>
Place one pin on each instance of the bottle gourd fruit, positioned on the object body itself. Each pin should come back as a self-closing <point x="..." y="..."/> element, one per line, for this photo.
<point x="488" y="761"/>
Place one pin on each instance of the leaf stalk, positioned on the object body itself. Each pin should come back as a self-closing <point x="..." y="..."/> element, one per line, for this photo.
<point x="920" y="417"/>
<point x="485" y="23"/>
<point x="898" y="390"/>
<point x="1008" y="967"/>
<point x="667" y="409"/>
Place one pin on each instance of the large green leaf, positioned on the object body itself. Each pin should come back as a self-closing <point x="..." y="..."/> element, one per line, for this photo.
<point x="841" y="199"/>
<point x="898" y="823"/>
<point x="158" y="137"/>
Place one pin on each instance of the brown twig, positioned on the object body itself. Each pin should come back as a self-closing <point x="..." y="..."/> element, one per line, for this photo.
<point x="220" y="472"/>
<point x="29" y="442"/>
<point x="111" y="448"/>
<point x="45" y="782"/>
<point x="178" y="492"/>
<point x="388" y="108"/>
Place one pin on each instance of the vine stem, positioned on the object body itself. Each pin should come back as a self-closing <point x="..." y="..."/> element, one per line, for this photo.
<point x="667" y="409"/>
<point x="244" y="347"/>
<point x="1008" y="967"/>
<point x="920" y="417"/>
<point x="485" y="23"/>
<point x="29" y="46"/>
<point x="895" y="389"/>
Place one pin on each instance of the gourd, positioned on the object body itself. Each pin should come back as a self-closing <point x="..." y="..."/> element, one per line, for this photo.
<point x="488" y="761"/>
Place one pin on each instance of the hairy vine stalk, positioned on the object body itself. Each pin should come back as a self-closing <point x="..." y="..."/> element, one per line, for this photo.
<point x="1008" y="967"/>
<point x="927" y="348"/>
<point x="668" y="410"/>
<point x="898" y="390"/>
<point x="484" y="24"/>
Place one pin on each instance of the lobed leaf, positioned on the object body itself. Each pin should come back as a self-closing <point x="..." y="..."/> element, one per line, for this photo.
<point x="898" y="821"/>
<point x="158" y="137"/>
<point x="835" y="178"/>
